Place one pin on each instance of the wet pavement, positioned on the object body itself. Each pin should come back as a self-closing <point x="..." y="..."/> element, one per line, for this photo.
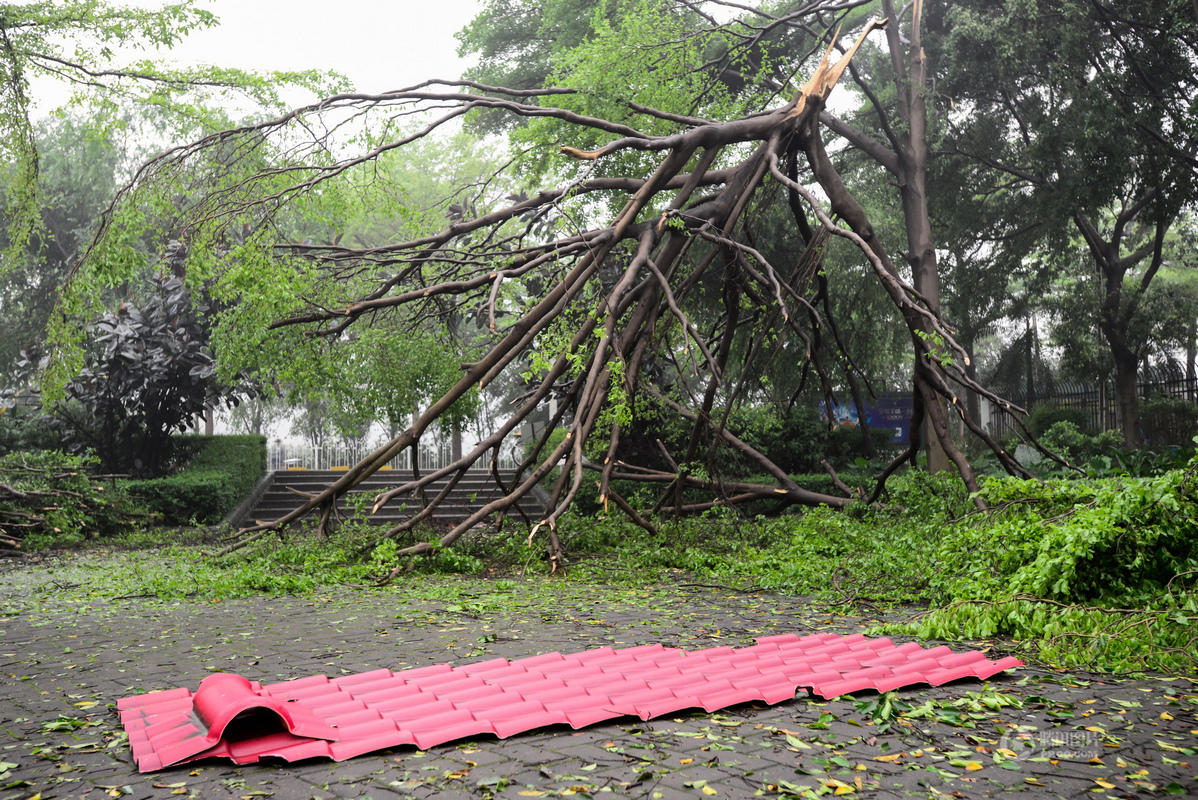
<point x="1031" y="732"/>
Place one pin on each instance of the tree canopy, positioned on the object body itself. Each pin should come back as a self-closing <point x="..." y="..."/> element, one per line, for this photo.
<point x="105" y="52"/>
<point x="1086" y="111"/>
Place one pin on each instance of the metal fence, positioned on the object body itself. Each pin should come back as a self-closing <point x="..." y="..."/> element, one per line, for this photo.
<point x="293" y="455"/>
<point x="1096" y="402"/>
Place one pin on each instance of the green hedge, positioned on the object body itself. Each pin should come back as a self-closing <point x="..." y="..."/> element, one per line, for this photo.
<point x="220" y="472"/>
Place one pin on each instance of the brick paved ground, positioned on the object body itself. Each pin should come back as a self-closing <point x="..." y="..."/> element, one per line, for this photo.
<point x="62" y="670"/>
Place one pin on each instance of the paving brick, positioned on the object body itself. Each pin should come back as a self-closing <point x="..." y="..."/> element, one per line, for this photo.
<point x="141" y="646"/>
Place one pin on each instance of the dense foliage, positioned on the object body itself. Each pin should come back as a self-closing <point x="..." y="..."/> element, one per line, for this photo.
<point x="51" y="497"/>
<point x="93" y="46"/>
<point x="219" y="472"/>
<point x="149" y="375"/>
<point x="77" y="175"/>
<point x="25" y="427"/>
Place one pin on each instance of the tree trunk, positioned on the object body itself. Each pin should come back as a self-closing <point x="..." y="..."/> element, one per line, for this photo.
<point x="921" y="255"/>
<point x="1127" y="393"/>
<point x="1191" y="358"/>
<point x="1119" y="303"/>
<point x="913" y="169"/>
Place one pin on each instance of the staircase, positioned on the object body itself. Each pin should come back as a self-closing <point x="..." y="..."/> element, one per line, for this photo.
<point x="286" y="489"/>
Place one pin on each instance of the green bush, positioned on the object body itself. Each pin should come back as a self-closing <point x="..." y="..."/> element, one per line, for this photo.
<point x="1117" y="541"/>
<point x="50" y="499"/>
<point x="219" y="473"/>
<point x="800" y="439"/>
<point x="813" y="481"/>
<point x="847" y="443"/>
<point x="1045" y="415"/>
<point x="1169" y="421"/>
<point x="26" y="428"/>
<point x="796" y="441"/>
<point x="1070" y="442"/>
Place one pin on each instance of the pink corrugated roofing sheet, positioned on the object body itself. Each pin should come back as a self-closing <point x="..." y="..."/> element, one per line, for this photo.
<point x="231" y="717"/>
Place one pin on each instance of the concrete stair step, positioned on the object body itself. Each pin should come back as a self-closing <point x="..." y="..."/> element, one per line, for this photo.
<point x="472" y="491"/>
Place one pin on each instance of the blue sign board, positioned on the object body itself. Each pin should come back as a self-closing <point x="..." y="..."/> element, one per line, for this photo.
<point x="888" y="412"/>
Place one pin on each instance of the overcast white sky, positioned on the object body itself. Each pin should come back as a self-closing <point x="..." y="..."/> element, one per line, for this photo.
<point x="378" y="44"/>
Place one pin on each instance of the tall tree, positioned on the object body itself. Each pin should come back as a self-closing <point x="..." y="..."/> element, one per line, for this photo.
<point x="77" y="176"/>
<point x="748" y="61"/>
<point x="1087" y="107"/>
<point x="94" y="46"/>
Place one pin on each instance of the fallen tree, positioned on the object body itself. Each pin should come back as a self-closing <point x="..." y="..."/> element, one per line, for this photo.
<point x="52" y="497"/>
<point x="611" y="318"/>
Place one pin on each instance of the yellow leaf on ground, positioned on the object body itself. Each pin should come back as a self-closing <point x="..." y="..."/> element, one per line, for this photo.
<point x="1104" y="784"/>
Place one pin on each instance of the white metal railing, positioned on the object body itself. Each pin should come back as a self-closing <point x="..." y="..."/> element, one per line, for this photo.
<point x="300" y="455"/>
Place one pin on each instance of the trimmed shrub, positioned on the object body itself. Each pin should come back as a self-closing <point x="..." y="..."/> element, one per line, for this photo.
<point x="1069" y="441"/>
<point x="220" y="472"/>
